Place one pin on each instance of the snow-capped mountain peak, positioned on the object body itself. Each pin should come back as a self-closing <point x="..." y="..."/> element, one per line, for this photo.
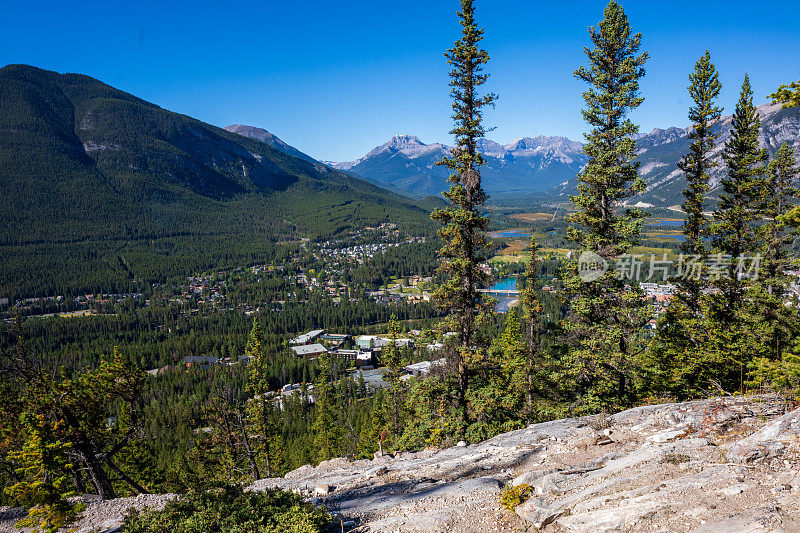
<point x="527" y="164"/>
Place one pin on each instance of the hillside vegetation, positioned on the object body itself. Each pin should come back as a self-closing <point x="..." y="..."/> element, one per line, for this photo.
<point x="101" y="188"/>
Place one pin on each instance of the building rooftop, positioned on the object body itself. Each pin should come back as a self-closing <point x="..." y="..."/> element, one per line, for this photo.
<point x="207" y="359"/>
<point x="309" y="349"/>
<point x="423" y="367"/>
<point x="373" y="378"/>
<point x="307" y="337"/>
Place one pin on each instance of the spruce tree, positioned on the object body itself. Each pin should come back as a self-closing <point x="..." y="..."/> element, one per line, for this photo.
<point x="43" y="484"/>
<point x="532" y="309"/>
<point x="260" y="410"/>
<point x="611" y="175"/>
<point x="326" y="433"/>
<point x="734" y="232"/>
<point x="780" y="194"/>
<point x="391" y="374"/>
<point x="704" y="114"/>
<point x="499" y="404"/>
<point x="681" y="363"/>
<point x="606" y="314"/>
<point x="465" y="244"/>
<point x="777" y="322"/>
<point x="258" y="368"/>
<point x="75" y="406"/>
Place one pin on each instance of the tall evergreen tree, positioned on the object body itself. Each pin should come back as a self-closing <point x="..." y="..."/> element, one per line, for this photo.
<point x="258" y="381"/>
<point x="778" y="323"/>
<point x="611" y="175"/>
<point x="261" y="408"/>
<point x="606" y="315"/>
<point x="681" y="363"/>
<point x="326" y="433"/>
<point x="780" y="194"/>
<point x="532" y="309"/>
<point x="464" y="224"/>
<point x="393" y="366"/>
<point x="704" y="114"/>
<point x="734" y="232"/>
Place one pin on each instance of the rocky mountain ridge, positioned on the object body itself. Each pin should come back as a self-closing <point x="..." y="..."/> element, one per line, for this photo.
<point x="550" y="165"/>
<point x="528" y="164"/>
<point x="660" y="150"/>
<point x="264" y="136"/>
<point x="717" y="465"/>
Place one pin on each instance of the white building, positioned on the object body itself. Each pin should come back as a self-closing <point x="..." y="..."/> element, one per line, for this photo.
<point x="305" y="338"/>
<point x="309" y="350"/>
<point x="423" y="367"/>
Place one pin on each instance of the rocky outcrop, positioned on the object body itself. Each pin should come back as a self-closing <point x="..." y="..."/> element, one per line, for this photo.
<point x="715" y="465"/>
<point x="264" y="136"/>
<point x="98" y="517"/>
<point x="718" y="465"/>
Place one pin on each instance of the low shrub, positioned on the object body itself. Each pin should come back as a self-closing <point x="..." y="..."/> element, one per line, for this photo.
<point x="675" y="458"/>
<point x="231" y="510"/>
<point x="511" y="497"/>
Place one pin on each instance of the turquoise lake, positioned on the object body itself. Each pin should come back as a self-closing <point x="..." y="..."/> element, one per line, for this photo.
<point x="504" y="302"/>
<point x="509" y="233"/>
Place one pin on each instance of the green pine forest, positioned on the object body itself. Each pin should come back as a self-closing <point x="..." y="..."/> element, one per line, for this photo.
<point x="103" y="192"/>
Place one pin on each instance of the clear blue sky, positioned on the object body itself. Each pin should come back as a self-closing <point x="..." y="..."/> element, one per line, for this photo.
<point x="335" y="79"/>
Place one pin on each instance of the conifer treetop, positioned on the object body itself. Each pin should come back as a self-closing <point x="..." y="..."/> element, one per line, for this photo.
<point x="466" y="75"/>
<point x="614" y="68"/>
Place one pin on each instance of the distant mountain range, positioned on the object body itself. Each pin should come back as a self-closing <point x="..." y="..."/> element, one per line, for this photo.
<point x="660" y="151"/>
<point x="529" y="164"/>
<point x="549" y="165"/>
<point x="98" y="185"/>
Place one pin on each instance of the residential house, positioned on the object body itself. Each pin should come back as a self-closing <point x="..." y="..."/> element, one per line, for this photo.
<point x="203" y="361"/>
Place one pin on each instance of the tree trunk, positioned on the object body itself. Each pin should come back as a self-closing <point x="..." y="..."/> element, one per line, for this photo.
<point x="99" y="478"/>
<point x="78" y="480"/>
<point x="246" y="440"/>
<point x="126" y="478"/>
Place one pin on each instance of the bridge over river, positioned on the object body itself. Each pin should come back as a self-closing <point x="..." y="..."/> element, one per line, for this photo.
<point x="500" y="292"/>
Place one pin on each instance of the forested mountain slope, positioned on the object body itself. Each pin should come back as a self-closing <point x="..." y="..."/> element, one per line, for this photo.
<point x="99" y="186"/>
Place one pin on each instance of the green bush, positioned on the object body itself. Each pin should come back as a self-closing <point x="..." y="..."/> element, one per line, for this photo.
<point x="512" y="497"/>
<point x="231" y="510"/>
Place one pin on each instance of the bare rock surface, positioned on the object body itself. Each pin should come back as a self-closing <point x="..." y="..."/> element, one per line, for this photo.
<point x="98" y="517"/>
<point x="718" y="465"/>
<point x="727" y="464"/>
